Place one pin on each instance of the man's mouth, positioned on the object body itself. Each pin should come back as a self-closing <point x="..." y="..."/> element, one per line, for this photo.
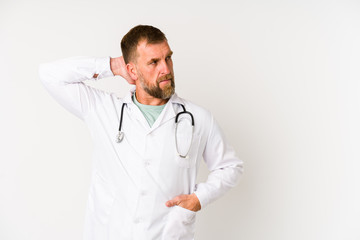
<point x="166" y="80"/>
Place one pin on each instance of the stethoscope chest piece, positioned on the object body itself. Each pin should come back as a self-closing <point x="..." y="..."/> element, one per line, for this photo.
<point x="120" y="137"/>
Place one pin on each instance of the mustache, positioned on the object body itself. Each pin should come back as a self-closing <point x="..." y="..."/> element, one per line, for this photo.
<point x="166" y="77"/>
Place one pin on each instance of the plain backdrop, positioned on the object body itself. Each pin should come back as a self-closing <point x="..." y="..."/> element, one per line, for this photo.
<point x="281" y="77"/>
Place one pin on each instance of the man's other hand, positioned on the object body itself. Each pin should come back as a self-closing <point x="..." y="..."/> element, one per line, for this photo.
<point x="188" y="201"/>
<point x="118" y="67"/>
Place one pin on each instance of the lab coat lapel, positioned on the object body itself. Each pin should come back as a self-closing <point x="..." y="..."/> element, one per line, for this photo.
<point x="135" y="125"/>
<point x="136" y="114"/>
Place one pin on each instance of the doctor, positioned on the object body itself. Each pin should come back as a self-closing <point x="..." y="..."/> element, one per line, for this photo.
<point x="144" y="180"/>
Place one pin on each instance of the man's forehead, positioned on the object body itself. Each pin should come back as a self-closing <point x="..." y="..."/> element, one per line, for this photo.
<point x="147" y="49"/>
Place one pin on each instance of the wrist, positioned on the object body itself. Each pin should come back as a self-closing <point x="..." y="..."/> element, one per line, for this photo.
<point x="196" y="201"/>
<point x="102" y="68"/>
<point x="114" y="66"/>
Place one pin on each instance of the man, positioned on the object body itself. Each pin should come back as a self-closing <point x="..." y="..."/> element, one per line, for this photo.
<point x="144" y="177"/>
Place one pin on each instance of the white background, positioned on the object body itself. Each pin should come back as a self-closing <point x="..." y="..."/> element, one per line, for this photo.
<point x="281" y="77"/>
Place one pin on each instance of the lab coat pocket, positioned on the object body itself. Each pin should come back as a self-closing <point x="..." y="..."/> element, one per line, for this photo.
<point x="180" y="224"/>
<point x="101" y="199"/>
<point x="189" y="147"/>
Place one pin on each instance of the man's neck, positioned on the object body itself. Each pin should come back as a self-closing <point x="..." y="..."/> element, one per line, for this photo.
<point x="144" y="98"/>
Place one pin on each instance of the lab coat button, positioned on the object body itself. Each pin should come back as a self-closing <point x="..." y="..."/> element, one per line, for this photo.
<point x="147" y="163"/>
<point x="137" y="220"/>
<point x="143" y="193"/>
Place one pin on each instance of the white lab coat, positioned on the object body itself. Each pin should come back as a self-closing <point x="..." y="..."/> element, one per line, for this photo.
<point x="132" y="180"/>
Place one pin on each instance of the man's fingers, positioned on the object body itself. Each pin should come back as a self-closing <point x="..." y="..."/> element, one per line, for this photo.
<point x="170" y="203"/>
<point x="190" y="202"/>
<point x="173" y="202"/>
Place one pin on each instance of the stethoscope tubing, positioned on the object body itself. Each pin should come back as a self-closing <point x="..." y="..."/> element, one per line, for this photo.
<point x="120" y="135"/>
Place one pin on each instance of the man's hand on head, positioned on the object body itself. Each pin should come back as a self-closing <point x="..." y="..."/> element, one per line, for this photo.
<point x="118" y="67"/>
<point x="188" y="201"/>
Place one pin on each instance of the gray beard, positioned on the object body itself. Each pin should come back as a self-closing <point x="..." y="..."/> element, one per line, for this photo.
<point x="157" y="92"/>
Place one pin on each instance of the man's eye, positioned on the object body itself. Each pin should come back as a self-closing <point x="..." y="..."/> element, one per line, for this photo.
<point x="168" y="57"/>
<point x="153" y="62"/>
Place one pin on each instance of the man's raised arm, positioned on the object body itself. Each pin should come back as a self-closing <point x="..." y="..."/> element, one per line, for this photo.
<point x="64" y="80"/>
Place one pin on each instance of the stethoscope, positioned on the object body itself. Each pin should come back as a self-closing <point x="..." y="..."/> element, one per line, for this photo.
<point x="120" y="135"/>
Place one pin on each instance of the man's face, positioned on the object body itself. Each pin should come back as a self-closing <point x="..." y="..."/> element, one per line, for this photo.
<point x="154" y="68"/>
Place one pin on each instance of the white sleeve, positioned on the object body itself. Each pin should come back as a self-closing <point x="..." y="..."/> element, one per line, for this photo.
<point x="64" y="78"/>
<point x="225" y="168"/>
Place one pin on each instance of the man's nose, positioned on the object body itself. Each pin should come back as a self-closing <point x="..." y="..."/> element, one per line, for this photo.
<point x="165" y="67"/>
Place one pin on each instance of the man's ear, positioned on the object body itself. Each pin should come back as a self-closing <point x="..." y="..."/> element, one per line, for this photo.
<point x="131" y="69"/>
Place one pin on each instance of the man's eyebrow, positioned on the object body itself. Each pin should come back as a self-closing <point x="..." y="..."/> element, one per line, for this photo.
<point x="157" y="59"/>
<point x="153" y="60"/>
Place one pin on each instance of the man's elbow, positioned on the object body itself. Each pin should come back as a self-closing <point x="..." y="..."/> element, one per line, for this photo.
<point x="233" y="174"/>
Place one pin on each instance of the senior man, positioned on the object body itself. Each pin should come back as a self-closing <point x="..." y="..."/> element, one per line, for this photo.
<point x="148" y="145"/>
